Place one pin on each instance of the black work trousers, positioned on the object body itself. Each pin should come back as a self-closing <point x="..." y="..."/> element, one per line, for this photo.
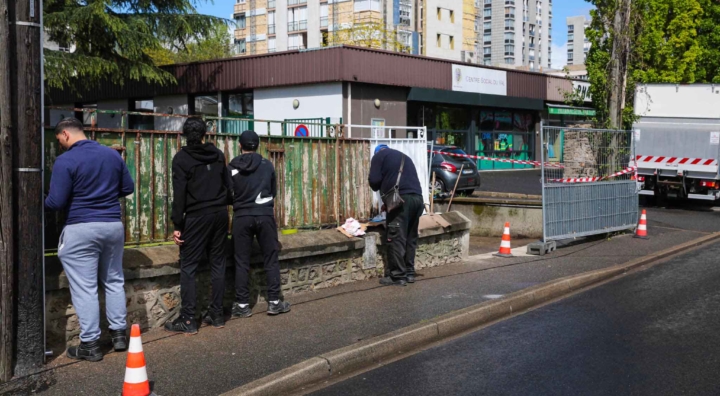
<point x="203" y="236"/>
<point x="402" y="237"/>
<point x="245" y="229"/>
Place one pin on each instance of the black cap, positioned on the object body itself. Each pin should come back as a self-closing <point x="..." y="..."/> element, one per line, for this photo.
<point x="249" y="141"/>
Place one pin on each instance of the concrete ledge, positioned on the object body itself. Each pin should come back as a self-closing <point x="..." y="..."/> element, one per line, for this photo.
<point x="368" y="353"/>
<point x="285" y="381"/>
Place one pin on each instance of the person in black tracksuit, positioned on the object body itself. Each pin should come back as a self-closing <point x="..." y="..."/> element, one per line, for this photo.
<point x="254" y="187"/>
<point x="402" y="223"/>
<point x="201" y="195"/>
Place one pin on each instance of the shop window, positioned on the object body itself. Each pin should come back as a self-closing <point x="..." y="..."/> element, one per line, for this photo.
<point x="505" y="134"/>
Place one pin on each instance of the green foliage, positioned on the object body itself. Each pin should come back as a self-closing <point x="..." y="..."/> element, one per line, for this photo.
<point x="216" y="46"/>
<point x="369" y="34"/>
<point x="672" y="41"/>
<point x="114" y="39"/>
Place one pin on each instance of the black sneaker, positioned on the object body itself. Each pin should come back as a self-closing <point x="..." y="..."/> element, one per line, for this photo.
<point x="240" y="312"/>
<point x="411" y="279"/>
<point x="215" y="320"/>
<point x="182" y="325"/>
<point x="388" y="281"/>
<point x="89" y="351"/>
<point x="119" y="339"/>
<point x="280" y="307"/>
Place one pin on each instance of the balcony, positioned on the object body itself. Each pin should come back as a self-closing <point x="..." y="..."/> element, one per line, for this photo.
<point x="271" y="30"/>
<point x="323" y="22"/>
<point x="297" y="26"/>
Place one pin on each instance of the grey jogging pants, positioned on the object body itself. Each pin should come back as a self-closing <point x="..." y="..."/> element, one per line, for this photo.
<point x="92" y="253"/>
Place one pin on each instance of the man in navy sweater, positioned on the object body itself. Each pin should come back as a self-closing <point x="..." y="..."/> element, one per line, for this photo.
<point x="87" y="181"/>
<point x="403" y="222"/>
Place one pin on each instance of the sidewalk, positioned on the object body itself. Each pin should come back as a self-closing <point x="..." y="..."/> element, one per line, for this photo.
<point x="218" y="360"/>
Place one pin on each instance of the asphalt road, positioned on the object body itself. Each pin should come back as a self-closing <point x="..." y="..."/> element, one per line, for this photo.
<point x="650" y="333"/>
<point x="511" y="181"/>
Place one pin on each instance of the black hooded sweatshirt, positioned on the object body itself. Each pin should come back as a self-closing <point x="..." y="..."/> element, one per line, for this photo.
<point x="254" y="185"/>
<point x="201" y="183"/>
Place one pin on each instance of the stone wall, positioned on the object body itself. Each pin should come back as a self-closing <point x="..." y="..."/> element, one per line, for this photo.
<point x="578" y="155"/>
<point x="152" y="280"/>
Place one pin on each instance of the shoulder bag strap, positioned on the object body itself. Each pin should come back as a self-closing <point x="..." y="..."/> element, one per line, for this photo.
<point x="402" y="165"/>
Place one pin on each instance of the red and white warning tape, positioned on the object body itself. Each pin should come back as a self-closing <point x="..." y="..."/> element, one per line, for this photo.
<point x="522" y="162"/>
<point x="630" y="169"/>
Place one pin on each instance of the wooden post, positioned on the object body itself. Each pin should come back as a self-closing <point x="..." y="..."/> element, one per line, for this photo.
<point x="27" y="107"/>
<point x="7" y="231"/>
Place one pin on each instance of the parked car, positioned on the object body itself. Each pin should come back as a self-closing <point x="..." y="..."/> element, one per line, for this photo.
<point x="447" y="170"/>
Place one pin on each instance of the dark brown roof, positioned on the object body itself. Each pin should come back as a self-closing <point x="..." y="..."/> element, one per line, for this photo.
<point x="344" y="63"/>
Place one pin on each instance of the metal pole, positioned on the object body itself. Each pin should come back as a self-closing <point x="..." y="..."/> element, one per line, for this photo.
<point x="542" y="179"/>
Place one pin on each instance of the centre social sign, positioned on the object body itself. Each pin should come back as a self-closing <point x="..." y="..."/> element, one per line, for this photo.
<point x="479" y="80"/>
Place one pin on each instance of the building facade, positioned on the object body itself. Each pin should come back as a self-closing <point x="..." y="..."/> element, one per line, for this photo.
<point x="265" y="26"/>
<point x="506" y="33"/>
<point x="578" y="44"/>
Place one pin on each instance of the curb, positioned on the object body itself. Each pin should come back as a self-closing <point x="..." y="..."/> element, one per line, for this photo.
<point x="370" y="352"/>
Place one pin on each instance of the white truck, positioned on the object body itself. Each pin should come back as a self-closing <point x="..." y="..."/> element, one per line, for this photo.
<point x="677" y="140"/>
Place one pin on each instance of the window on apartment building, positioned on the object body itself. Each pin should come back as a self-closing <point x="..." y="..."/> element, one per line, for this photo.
<point x="295" y="42"/>
<point x="439" y="13"/>
<point x="487" y="38"/>
<point x="271" y="3"/>
<point x="571" y="37"/>
<point x="271" y="22"/>
<point x="510" y="12"/>
<point x="240" y="46"/>
<point x="487" y="26"/>
<point x="509" y="50"/>
<point x="240" y="21"/>
<point x="323" y="15"/>
<point x="271" y="44"/>
<point x="439" y="41"/>
<point x="240" y="1"/>
<point x="487" y="50"/>
<point x="487" y="61"/>
<point x="297" y="19"/>
<point x="366" y="5"/>
<point x="509" y="61"/>
<point x="452" y="16"/>
<point x="452" y="42"/>
<point x="488" y="2"/>
<point x="509" y="38"/>
<point x="487" y="13"/>
<point x="509" y="24"/>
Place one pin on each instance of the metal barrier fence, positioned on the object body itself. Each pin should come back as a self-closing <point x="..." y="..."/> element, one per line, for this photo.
<point x="593" y="191"/>
<point x="321" y="180"/>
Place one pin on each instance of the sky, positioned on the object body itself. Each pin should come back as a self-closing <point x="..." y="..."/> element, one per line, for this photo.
<point x="561" y="10"/>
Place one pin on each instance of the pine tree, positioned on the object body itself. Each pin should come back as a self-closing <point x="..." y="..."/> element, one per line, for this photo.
<point x="114" y="39"/>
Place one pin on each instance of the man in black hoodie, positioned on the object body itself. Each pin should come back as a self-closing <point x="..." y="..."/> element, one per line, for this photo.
<point x="201" y="195"/>
<point x="254" y="187"/>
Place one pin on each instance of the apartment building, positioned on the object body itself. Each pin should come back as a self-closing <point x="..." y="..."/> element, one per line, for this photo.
<point x="265" y="26"/>
<point x="578" y="44"/>
<point x="507" y="33"/>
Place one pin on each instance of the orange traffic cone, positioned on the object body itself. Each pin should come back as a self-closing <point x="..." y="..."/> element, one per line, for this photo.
<point x="136" y="379"/>
<point x="642" y="227"/>
<point x="505" y="243"/>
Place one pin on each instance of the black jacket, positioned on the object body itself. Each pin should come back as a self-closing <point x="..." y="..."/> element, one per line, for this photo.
<point x="201" y="183"/>
<point x="384" y="170"/>
<point x="254" y="185"/>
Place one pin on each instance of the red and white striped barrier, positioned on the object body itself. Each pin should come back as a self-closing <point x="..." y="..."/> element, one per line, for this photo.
<point x="630" y="169"/>
<point x="512" y="161"/>
<point x="676" y="160"/>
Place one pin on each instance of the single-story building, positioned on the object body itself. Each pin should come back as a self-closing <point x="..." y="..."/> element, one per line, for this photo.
<point x="485" y="111"/>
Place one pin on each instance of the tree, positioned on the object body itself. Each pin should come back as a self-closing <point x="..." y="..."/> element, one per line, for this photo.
<point x="215" y="46"/>
<point x="708" y="68"/>
<point x="646" y="41"/>
<point x="114" y="39"/>
<point x="366" y="34"/>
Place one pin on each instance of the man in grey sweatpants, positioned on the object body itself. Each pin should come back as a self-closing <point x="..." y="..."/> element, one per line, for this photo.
<point x="87" y="181"/>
